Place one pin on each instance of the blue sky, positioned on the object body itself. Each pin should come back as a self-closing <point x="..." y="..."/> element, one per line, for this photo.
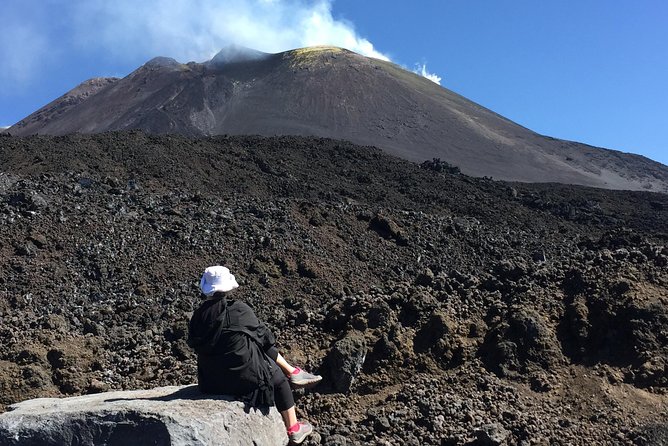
<point x="593" y="71"/>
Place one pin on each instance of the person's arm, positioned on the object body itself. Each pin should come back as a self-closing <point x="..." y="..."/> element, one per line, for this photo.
<point x="263" y="334"/>
<point x="268" y="341"/>
<point x="200" y="331"/>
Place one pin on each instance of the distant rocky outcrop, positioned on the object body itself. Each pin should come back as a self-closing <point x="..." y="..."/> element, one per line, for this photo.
<point x="160" y="416"/>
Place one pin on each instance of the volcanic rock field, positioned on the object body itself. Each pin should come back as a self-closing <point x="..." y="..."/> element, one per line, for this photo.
<point x="441" y="309"/>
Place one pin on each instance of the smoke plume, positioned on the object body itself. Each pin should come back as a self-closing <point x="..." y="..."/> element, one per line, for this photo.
<point x="197" y="29"/>
<point x="23" y="49"/>
<point x="130" y="32"/>
<point x="421" y="69"/>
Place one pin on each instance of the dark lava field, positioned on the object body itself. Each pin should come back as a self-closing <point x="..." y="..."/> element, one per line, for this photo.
<point x="441" y="309"/>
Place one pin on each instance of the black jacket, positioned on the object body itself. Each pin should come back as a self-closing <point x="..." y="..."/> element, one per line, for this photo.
<point x="231" y="345"/>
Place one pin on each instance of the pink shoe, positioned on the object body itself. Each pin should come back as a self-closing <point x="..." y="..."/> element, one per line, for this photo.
<point x="299" y="432"/>
<point x="301" y="379"/>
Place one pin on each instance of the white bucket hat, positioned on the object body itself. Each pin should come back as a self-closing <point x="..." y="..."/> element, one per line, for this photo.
<point x="217" y="278"/>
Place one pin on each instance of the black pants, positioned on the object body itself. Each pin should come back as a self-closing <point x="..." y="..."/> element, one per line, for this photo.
<point x="282" y="392"/>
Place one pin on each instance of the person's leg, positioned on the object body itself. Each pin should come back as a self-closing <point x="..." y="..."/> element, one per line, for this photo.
<point x="280" y="361"/>
<point x="284" y="365"/>
<point x="289" y="417"/>
<point x="298" y="378"/>
<point x="285" y="402"/>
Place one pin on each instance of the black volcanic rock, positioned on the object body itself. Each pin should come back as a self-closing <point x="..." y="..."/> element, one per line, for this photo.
<point x="331" y="92"/>
<point x="458" y="336"/>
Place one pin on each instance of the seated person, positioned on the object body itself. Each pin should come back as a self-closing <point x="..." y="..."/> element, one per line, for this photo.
<point x="236" y="353"/>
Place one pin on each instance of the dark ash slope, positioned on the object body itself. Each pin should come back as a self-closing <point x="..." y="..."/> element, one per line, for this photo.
<point x="330" y="92"/>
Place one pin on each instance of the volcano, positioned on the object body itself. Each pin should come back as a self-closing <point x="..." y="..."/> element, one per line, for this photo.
<point x="334" y="93"/>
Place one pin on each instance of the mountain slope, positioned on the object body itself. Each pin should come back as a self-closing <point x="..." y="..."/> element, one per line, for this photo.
<point x="331" y="92"/>
<point x="53" y="110"/>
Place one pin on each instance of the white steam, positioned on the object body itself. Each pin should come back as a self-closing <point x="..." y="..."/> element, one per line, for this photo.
<point x="23" y="48"/>
<point x="421" y="69"/>
<point x="196" y="30"/>
<point x="131" y="32"/>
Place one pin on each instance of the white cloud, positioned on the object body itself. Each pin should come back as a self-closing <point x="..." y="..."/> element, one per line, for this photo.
<point x="40" y="36"/>
<point x="421" y="69"/>
<point x="197" y="29"/>
<point x="22" y="49"/>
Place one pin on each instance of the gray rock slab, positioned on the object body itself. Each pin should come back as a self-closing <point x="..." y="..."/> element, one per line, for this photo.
<point x="161" y="416"/>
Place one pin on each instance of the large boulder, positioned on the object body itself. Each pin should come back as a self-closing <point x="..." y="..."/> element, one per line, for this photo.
<point x="161" y="416"/>
<point x="345" y="361"/>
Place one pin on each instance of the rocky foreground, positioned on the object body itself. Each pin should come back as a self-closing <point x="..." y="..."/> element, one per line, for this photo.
<point x="441" y="309"/>
<point x="176" y="415"/>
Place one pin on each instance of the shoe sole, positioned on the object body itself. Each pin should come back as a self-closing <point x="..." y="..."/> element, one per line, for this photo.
<point x="305" y="383"/>
<point x="300" y="440"/>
